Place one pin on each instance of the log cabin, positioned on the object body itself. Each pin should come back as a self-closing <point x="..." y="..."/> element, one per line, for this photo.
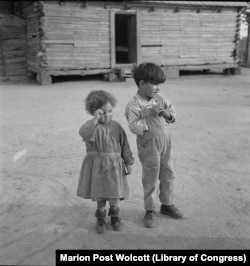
<point x="109" y="37"/>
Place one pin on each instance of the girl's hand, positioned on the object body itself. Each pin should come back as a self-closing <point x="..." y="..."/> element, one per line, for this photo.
<point x="97" y="115"/>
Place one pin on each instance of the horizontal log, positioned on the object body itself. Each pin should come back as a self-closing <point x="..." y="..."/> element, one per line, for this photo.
<point x="17" y="65"/>
<point x="77" y="9"/>
<point x="77" y="36"/>
<point x="13" y="43"/>
<point x="14" y="54"/>
<point x="74" y="26"/>
<point x="15" y="72"/>
<point x="77" y="14"/>
<point x="12" y="21"/>
<point x="13" y="29"/>
<point x="77" y="61"/>
<point x="15" y="60"/>
<point x="77" y="52"/>
<point x="14" y="48"/>
<point x="11" y="36"/>
<point x="97" y="43"/>
<point x="55" y="72"/>
<point x="186" y="20"/>
<point x="77" y="66"/>
<point x="58" y="42"/>
<point x="12" y="78"/>
<point x="192" y="61"/>
<point x="69" y="20"/>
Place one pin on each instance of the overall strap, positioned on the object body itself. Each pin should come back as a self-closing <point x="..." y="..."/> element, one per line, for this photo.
<point x="139" y="105"/>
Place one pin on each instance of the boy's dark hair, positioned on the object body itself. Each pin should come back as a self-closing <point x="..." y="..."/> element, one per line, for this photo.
<point x="96" y="99"/>
<point x="148" y="72"/>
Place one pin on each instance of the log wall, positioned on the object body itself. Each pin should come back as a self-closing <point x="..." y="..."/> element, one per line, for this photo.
<point x="72" y="37"/>
<point x="31" y="12"/>
<point x="189" y="38"/>
<point x="79" y="37"/>
<point x="75" y="37"/>
<point x="12" y="48"/>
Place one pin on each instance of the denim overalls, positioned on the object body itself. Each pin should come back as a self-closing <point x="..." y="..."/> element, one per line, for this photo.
<point x="154" y="151"/>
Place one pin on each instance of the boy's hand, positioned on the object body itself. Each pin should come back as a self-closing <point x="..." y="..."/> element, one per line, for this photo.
<point x="157" y="108"/>
<point x="97" y="114"/>
<point x="166" y="114"/>
<point x="129" y="169"/>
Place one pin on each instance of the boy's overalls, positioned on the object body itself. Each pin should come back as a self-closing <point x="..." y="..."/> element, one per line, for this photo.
<point x="154" y="151"/>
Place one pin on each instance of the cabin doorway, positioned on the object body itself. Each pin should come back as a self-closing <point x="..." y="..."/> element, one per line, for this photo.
<point x="125" y="39"/>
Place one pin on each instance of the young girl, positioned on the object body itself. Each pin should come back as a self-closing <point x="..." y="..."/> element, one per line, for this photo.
<point x="108" y="160"/>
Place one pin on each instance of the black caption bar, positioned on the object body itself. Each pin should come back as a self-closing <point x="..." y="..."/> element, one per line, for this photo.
<point x="176" y="257"/>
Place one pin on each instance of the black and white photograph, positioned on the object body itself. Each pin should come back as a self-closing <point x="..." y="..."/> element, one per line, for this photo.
<point x="124" y="125"/>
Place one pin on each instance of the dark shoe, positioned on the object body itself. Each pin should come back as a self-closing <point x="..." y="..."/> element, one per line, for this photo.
<point x="116" y="222"/>
<point x="149" y="219"/>
<point x="171" y="211"/>
<point x="100" y="223"/>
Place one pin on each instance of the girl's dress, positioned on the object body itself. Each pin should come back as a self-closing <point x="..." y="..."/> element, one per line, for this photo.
<point x="103" y="173"/>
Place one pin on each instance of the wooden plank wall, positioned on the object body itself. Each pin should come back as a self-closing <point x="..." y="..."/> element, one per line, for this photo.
<point x="188" y="37"/>
<point x="12" y="48"/>
<point x="75" y="37"/>
<point x="31" y="12"/>
<point x="69" y="37"/>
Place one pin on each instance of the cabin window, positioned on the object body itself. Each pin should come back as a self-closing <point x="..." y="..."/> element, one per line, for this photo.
<point x="125" y="38"/>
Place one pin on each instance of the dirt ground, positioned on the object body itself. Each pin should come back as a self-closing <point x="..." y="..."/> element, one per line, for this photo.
<point x="42" y="155"/>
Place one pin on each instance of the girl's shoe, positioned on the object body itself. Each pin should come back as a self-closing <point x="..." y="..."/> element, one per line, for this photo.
<point x="116" y="222"/>
<point x="100" y="223"/>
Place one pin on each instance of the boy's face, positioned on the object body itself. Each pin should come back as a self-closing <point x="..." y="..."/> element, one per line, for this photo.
<point x="106" y="117"/>
<point x="148" y="90"/>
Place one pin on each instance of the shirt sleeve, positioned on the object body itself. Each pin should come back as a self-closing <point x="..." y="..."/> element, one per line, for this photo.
<point x="88" y="130"/>
<point x="133" y="114"/>
<point x="169" y="106"/>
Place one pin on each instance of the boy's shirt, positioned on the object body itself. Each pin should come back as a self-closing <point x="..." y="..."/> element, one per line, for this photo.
<point x="139" y="108"/>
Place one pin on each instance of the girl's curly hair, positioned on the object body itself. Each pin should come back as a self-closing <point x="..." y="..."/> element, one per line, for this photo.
<point x="96" y="99"/>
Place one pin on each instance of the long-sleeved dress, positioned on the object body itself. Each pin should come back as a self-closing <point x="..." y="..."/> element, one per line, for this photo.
<point x="103" y="173"/>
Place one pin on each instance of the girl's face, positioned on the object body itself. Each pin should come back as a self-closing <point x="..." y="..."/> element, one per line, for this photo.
<point x="148" y="90"/>
<point x="106" y="117"/>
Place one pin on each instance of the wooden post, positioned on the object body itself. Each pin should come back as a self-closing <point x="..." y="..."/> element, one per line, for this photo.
<point x="112" y="38"/>
<point x="248" y="42"/>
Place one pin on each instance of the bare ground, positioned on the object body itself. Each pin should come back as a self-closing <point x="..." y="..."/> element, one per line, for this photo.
<point x="42" y="155"/>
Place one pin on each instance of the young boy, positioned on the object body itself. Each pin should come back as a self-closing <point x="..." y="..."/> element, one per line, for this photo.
<point x="149" y="114"/>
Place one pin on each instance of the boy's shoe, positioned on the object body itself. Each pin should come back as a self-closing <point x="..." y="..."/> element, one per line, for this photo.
<point x="171" y="211"/>
<point x="149" y="219"/>
<point x="100" y="223"/>
<point x="116" y="222"/>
